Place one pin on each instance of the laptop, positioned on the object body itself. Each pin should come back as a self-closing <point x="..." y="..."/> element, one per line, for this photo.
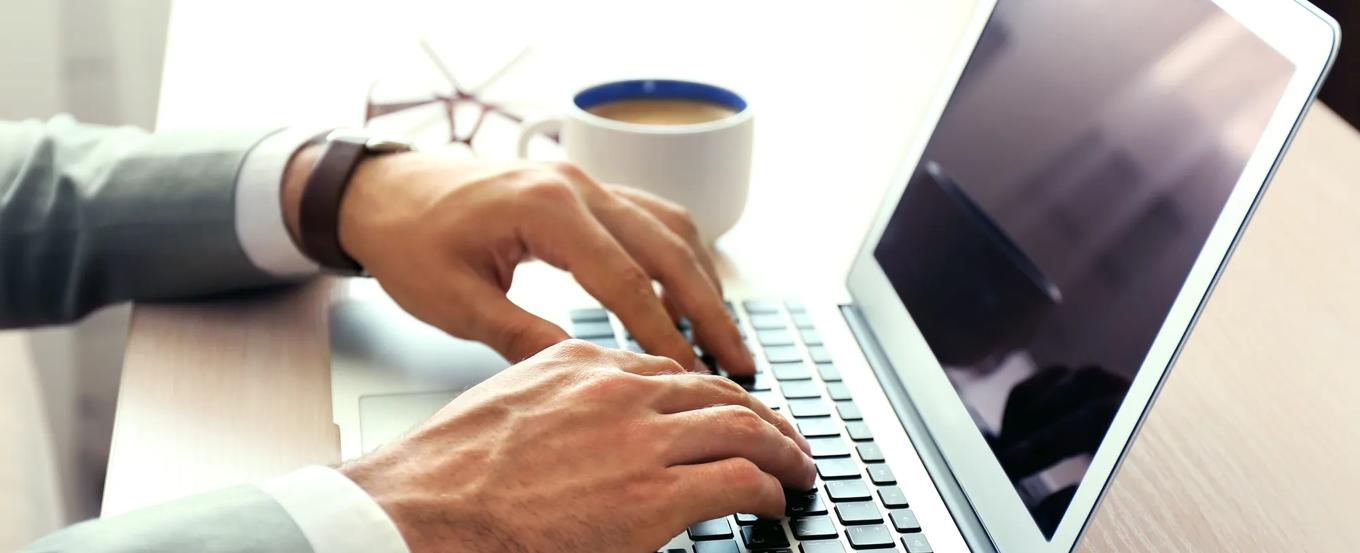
<point x="1022" y="292"/>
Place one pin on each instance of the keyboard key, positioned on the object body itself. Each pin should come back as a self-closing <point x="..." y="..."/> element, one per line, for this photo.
<point x="904" y="521"/>
<point x="673" y="550"/>
<point x="799" y="504"/>
<point x="609" y="342"/>
<point x="881" y="475"/>
<point x="860" y="512"/>
<point x="809" y="408"/>
<point x="819" y="354"/>
<point x="800" y="389"/>
<point x="810" y="337"/>
<point x="768" y="397"/>
<point x="837" y="469"/>
<point x="683" y="324"/>
<point x="869" y="537"/>
<point x="783" y="354"/>
<point x="893" y="497"/>
<point x="593" y="329"/>
<point x="847" y="490"/>
<point x="589" y="314"/>
<point x="916" y="543"/>
<point x="757" y="383"/>
<point x="764" y="534"/>
<point x="802" y="320"/>
<point x="791" y="371"/>
<point x="848" y="410"/>
<point x="794" y="305"/>
<point x="838" y="390"/>
<point x="768" y="321"/>
<point x="817" y="428"/>
<point x="829" y="372"/>
<point x="858" y="431"/>
<point x="813" y="528"/>
<point x="746" y="519"/>
<point x="725" y="546"/>
<point x="821" y="547"/>
<point x="779" y="337"/>
<point x="715" y="529"/>
<point x="870" y="453"/>
<point x="761" y="306"/>
<point x="829" y="447"/>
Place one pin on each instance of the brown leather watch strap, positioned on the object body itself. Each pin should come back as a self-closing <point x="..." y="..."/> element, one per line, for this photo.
<point x="319" y="212"/>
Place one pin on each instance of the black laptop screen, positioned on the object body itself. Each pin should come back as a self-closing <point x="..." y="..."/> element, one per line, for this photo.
<point x="1059" y="206"/>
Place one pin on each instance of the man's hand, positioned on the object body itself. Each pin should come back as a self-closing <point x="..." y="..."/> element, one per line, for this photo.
<point x="585" y="449"/>
<point x="443" y="235"/>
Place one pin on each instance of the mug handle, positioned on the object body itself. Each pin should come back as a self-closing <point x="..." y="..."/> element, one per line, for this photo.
<point x="527" y="131"/>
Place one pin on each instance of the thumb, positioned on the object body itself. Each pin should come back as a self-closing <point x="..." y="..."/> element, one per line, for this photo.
<point x="510" y="330"/>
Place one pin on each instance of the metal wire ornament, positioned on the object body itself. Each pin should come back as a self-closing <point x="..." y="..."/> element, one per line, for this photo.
<point x="460" y="96"/>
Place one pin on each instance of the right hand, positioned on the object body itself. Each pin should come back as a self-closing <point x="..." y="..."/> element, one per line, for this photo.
<point x="580" y="448"/>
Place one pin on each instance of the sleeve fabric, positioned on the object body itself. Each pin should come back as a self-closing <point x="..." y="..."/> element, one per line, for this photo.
<point x="92" y="215"/>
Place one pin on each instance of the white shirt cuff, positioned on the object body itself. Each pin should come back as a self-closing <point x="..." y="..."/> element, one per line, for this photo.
<point x="259" y="211"/>
<point x="334" y="513"/>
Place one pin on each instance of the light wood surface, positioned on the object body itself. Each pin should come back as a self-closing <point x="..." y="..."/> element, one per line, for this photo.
<point x="1251" y="447"/>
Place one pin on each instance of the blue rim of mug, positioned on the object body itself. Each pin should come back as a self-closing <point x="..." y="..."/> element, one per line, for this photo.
<point x="673" y="89"/>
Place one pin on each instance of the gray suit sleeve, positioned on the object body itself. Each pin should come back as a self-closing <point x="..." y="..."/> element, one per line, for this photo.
<point x="243" y="519"/>
<point x="91" y="216"/>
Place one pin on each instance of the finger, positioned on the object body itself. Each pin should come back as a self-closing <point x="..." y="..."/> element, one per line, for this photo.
<point x="721" y="488"/>
<point x="671" y="261"/>
<point x="646" y="365"/>
<point x="567" y="235"/>
<point x="495" y="321"/>
<point x="717" y="433"/>
<point x="678" y="220"/>
<point x="688" y="392"/>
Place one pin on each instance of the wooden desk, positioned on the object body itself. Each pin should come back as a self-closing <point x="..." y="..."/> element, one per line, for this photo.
<point x="1251" y="447"/>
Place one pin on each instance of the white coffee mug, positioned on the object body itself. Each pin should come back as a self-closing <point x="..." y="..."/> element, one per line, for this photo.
<point x="705" y="167"/>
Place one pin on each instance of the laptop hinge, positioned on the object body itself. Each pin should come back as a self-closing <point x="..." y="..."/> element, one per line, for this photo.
<point x="959" y="507"/>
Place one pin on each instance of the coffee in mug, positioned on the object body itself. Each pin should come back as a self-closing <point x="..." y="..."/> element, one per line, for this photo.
<point x="663" y="111"/>
<point x="685" y="141"/>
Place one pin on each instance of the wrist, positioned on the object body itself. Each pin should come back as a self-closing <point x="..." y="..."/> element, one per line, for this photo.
<point x="317" y="188"/>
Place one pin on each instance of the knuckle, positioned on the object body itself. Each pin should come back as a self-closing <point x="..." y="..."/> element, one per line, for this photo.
<point x="680" y="219"/>
<point x="655" y="364"/>
<point x="631" y="277"/>
<point x="567" y="169"/>
<point x="545" y="186"/>
<point x="576" y="349"/>
<point x="726" y="389"/>
<point x="743" y="474"/>
<point x="608" y="384"/>
<point x="744" y="421"/>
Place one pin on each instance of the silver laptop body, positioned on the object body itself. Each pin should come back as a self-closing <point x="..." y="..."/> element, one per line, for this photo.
<point x="1027" y="283"/>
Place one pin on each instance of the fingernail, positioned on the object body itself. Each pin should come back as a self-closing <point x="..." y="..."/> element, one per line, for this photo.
<point x="803" y="444"/>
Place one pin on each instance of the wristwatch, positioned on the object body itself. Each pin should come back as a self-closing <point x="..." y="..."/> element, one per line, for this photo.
<point x="319" y="212"/>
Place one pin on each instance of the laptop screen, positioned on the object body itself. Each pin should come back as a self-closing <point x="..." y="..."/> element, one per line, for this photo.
<point x="1070" y="184"/>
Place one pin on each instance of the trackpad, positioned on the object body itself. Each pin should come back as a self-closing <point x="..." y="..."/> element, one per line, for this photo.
<point x="384" y="418"/>
<point x="390" y="371"/>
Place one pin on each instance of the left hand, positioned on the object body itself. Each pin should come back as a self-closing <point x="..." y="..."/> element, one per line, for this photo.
<point x="443" y="235"/>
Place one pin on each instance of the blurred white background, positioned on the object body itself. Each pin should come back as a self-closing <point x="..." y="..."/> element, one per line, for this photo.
<point x="101" y="61"/>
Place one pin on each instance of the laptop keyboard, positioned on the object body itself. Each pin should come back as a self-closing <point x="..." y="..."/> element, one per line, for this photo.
<point x="856" y="504"/>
